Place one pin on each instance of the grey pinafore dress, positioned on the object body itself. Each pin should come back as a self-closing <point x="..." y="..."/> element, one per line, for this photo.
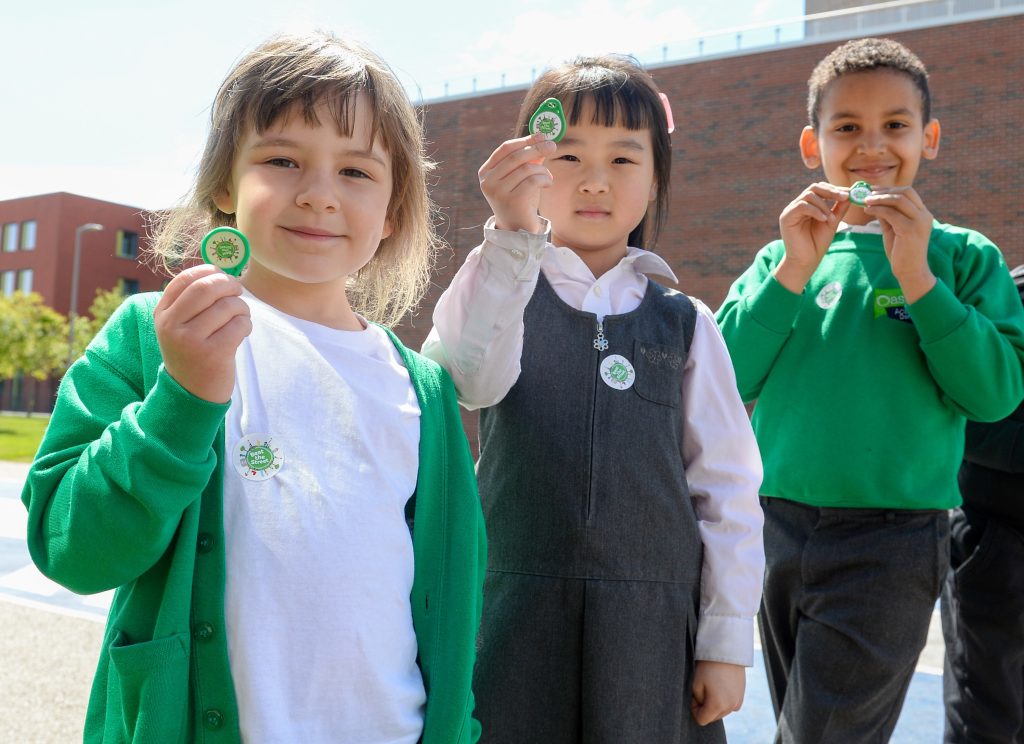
<point x="593" y="581"/>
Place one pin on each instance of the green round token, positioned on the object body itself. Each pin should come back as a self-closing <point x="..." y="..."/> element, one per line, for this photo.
<point x="227" y="249"/>
<point x="859" y="192"/>
<point x="549" y="120"/>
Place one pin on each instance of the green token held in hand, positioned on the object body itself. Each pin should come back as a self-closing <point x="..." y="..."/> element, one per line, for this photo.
<point x="227" y="249"/>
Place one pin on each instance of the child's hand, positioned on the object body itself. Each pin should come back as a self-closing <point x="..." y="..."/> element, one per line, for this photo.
<point x="717" y="690"/>
<point x="808" y="225"/>
<point x="511" y="181"/>
<point x="906" y="229"/>
<point x="200" y="321"/>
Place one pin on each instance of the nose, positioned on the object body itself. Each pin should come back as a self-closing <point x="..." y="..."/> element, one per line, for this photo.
<point x="594" y="179"/>
<point x="872" y="141"/>
<point x="317" y="191"/>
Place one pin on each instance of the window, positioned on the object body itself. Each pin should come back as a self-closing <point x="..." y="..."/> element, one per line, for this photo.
<point x="129" y="286"/>
<point x="28" y="235"/>
<point x="127" y="244"/>
<point x="10" y="237"/>
<point x="25" y="280"/>
<point x="7" y="280"/>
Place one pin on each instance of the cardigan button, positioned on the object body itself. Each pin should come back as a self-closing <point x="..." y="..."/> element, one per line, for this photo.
<point x="204" y="543"/>
<point x="203" y="631"/>
<point x="213" y="719"/>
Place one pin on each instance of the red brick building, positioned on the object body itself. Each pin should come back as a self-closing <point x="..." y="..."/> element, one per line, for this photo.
<point x="37" y="243"/>
<point x="735" y="157"/>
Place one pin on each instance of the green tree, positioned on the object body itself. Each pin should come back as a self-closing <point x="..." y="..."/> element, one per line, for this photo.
<point x="33" y="339"/>
<point x="103" y="306"/>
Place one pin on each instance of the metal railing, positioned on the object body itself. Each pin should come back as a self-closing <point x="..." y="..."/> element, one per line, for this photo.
<point x="867" y="20"/>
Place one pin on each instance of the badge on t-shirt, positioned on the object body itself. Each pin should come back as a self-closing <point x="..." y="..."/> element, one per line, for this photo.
<point x="257" y="458"/>
<point x="617" y="372"/>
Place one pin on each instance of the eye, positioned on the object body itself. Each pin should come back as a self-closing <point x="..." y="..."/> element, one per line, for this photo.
<point x="896" y="125"/>
<point x="354" y="173"/>
<point x="846" y="128"/>
<point x="623" y="161"/>
<point x="569" y="158"/>
<point x="281" y="163"/>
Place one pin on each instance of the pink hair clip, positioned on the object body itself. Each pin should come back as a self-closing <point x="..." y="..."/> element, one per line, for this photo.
<point x="668" y="112"/>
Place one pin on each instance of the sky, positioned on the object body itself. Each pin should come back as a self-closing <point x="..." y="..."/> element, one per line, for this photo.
<point x="110" y="99"/>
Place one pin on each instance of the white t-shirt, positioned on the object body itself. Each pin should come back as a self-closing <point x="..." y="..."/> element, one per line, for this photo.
<point x="322" y="452"/>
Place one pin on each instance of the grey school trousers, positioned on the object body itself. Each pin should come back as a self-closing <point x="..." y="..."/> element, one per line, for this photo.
<point x="848" y="597"/>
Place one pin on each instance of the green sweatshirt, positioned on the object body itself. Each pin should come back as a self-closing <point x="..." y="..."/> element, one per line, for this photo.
<point x="861" y="399"/>
<point x="126" y="492"/>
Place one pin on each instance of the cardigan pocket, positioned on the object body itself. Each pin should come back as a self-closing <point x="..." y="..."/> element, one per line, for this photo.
<point x="147" y="690"/>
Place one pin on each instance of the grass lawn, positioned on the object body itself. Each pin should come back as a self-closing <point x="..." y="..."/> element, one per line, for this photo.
<point x="20" y="435"/>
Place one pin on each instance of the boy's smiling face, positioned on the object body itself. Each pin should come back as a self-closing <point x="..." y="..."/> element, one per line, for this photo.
<point x="871" y="129"/>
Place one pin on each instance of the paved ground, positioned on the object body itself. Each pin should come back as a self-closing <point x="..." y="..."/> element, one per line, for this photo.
<point x="53" y="636"/>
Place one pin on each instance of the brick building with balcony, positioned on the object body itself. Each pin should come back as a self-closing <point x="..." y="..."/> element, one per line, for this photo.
<point x="37" y="244"/>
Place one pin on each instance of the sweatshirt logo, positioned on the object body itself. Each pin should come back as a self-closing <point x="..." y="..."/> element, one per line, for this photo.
<point x="891" y="303"/>
<point x="257" y="458"/>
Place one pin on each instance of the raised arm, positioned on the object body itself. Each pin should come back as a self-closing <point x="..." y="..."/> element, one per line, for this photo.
<point x="130" y="441"/>
<point x="122" y="459"/>
<point x="478" y="321"/>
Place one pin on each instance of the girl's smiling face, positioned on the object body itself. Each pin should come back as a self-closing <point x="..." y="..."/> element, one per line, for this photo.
<point x="603" y="184"/>
<point x="312" y="201"/>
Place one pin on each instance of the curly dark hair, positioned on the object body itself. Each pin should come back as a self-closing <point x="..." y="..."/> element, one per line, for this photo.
<point x="863" y="55"/>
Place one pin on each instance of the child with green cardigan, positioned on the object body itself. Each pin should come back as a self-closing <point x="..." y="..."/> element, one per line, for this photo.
<point x="280" y="492"/>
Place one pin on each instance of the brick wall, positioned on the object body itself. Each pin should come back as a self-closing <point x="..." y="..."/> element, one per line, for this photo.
<point x="735" y="157"/>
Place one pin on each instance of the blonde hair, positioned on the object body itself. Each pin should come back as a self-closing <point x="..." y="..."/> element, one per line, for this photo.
<point x="298" y="73"/>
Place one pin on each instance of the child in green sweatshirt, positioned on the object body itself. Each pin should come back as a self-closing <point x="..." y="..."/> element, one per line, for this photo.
<point x="867" y="335"/>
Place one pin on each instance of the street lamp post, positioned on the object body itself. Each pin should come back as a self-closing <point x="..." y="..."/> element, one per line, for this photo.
<point x="73" y="311"/>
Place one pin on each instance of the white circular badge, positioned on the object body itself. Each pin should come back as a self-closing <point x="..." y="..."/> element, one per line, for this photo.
<point x="257" y="458"/>
<point x="617" y="372"/>
<point x="829" y="295"/>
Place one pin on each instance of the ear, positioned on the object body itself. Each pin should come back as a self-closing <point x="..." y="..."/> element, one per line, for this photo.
<point x="809" y="148"/>
<point x="224" y="200"/>
<point x="654" y="189"/>
<point x="388" y="229"/>
<point x="932" y="135"/>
